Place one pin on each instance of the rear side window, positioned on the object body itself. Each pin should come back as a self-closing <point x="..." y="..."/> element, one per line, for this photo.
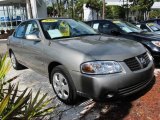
<point x="20" y="31"/>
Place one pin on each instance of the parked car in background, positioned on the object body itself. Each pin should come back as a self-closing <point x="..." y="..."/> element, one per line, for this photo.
<point x="149" y="27"/>
<point x="79" y="61"/>
<point x="127" y="30"/>
<point x="156" y="20"/>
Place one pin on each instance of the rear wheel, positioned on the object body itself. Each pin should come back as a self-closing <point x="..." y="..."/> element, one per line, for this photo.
<point x="63" y="85"/>
<point x="15" y="63"/>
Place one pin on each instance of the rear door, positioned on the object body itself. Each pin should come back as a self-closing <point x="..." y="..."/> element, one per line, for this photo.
<point x="33" y="50"/>
<point x="16" y="41"/>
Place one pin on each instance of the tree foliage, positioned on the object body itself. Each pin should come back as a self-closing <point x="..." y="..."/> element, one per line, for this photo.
<point x="16" y="105"/>
<point x="95" y="4"/>
<point x="154" y="14"/>
<point x="115" y="12"/>
<point x="141" y="5"/>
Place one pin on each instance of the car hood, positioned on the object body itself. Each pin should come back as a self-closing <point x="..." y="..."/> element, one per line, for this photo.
<point x="104" y="48"/>
<point x="147" y="35"/>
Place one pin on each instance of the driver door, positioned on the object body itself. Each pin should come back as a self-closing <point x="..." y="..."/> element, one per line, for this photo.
<point x="33" y="49"/>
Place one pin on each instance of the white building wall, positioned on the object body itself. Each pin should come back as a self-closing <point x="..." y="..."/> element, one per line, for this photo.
<point x="34" y="8"/>
<point x="38" y="8"/>
<point x="41" y="9"/>
<point x="156" y="5"/>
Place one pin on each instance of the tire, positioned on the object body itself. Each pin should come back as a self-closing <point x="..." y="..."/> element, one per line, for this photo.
<point x="63" y="85"/>
<point x="15" y="64"/>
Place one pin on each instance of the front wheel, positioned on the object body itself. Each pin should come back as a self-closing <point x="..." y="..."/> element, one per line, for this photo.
<point x="63" y="85"/>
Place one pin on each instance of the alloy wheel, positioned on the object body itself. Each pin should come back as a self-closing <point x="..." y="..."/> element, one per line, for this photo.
<point x="61" y="86"/>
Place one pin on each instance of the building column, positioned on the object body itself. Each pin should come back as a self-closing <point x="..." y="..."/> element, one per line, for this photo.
<point x="29" y="9"/>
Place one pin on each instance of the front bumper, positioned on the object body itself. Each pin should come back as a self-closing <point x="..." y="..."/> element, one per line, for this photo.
<point x="101" y="87"/>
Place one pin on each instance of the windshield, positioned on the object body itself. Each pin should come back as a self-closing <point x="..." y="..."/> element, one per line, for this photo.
<point x="127" y="27"/>
<point x="155" y="27"/>
<point x="64" y="28"/>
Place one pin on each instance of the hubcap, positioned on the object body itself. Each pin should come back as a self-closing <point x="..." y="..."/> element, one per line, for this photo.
<point x="60" y="85"/>
<point x="13" y="60"/>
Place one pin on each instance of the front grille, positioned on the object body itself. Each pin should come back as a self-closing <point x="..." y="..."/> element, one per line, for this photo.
<point x="133" y="64"/>
<point x="137" y="63"/>
<point x="146" y="58"/>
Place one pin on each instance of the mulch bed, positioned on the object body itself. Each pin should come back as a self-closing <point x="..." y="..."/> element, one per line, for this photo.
<point x="143" y="107"/>
<point x="6" y="35"/>
<point x="148" y="106"/>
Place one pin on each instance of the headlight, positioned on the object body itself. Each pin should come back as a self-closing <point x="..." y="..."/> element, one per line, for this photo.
<point x="101" y="67"/>
<point x="156" y="43"/>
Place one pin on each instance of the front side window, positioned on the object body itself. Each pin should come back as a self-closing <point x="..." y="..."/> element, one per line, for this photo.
<point x="62" y="28"/>
<point x="127" y="27"/>
<point x="32" y="28"/>
<point x="20" y="31"/>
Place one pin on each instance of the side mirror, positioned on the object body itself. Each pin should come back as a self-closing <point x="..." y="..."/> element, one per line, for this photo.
<point x="32" y="37"/>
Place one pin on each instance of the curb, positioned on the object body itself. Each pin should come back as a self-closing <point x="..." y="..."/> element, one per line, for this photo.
<point x="3" y="40"/>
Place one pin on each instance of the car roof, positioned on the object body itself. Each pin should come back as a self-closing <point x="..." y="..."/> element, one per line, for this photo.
<point x="46" y="18"/>
<point x="154" y="19"/>
<point x="110" y="20"/>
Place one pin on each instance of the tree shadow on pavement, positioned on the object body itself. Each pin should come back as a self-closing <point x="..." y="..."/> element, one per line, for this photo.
<point x="115" y="111"/>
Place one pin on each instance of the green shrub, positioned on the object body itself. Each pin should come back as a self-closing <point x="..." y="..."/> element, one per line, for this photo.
<point x="19" y="105"/>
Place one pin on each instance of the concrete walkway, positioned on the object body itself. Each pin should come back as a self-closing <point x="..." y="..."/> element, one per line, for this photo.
<point x="3" y="46"/>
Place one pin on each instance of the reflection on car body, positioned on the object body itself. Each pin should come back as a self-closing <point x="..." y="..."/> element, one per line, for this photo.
<point x="127" y="30"/>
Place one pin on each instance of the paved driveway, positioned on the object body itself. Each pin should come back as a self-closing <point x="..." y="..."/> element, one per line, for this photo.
<point x="30" y="79"/>
<point x="3" y="47"/>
